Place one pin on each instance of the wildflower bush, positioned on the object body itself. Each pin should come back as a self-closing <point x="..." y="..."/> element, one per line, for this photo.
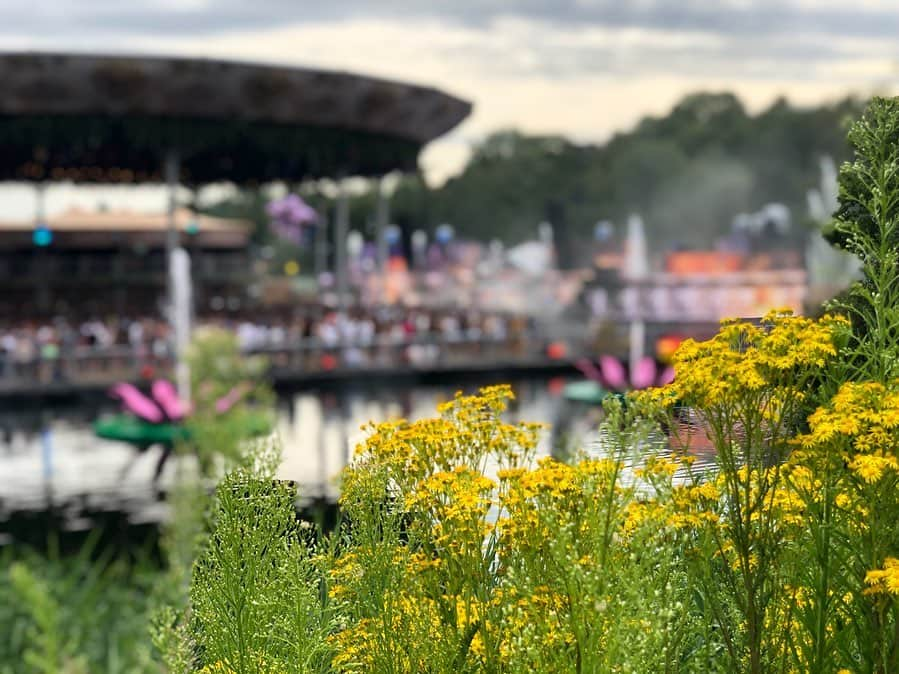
<point x="458" y="553"/>
<point x="76" y="614"/>
<point x="220" y="371"/>
<point x="462" y="551"/>
<point x="464" y="555"/>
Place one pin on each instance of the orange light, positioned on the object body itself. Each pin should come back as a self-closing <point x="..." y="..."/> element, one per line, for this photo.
<point x="666" y="346"/>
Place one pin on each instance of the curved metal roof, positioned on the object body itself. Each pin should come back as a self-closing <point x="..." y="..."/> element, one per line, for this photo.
<point x="110" y="118"/>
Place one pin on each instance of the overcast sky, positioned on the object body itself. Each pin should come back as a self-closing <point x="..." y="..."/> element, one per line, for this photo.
<point x="583" y="68"/>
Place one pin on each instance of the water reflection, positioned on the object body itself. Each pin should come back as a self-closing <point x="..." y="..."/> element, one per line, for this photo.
<point x="322" y="429"/>
<point x="57" y="464"/>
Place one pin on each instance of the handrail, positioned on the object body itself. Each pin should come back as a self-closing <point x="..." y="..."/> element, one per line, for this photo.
<point x="310" y="355"/>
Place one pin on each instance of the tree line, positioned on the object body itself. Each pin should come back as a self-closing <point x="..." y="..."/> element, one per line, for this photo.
<point x="687" y="174"/>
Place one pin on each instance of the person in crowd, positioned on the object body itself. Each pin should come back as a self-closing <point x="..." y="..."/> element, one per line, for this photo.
<point x="363" y="336"/>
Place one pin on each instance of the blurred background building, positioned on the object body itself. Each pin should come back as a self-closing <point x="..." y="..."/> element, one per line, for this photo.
<point x="84" y="264"/>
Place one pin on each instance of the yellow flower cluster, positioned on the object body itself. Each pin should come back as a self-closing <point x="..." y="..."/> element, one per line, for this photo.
<point x="505" y="573"/>
<point x="743" y="358"/>
<point x="366" y="646"/>
<point x="217" y="668"/>
<point x="469" y="432"/>
<point x="467" y="568"/>
<point x="862" y="422"/>
<point x="537" y="502"/>
<point x="694" y="506"/>
<point x="455" y="504"/>
<point x="885" y="580"/>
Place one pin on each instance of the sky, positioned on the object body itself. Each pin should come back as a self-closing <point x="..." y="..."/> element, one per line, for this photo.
<point x="581" y="68"/>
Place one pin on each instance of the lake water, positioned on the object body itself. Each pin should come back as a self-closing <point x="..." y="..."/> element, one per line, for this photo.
<point x="50" y="460"/>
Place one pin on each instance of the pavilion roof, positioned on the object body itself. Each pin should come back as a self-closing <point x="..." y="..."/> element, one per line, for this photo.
<point x="89" y="118"/>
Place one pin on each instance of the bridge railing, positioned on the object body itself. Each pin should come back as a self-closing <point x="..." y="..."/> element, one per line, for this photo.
<point x="308" y="356"/>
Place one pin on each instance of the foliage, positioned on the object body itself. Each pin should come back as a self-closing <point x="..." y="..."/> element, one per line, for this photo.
<point x="461" y="551"/>
<point x="833" y="506"/>
<point x="746" y="388"/>
<point x="74" y="615"/>
<point x="95" y="611"/>
<point x="443" y="568"/>
<point x="219" y="369"/>
<point x="221" y="440"/>
<point x="254" y="597"/>
<point x="867" y="225"/>
<point x="687" y="173"/>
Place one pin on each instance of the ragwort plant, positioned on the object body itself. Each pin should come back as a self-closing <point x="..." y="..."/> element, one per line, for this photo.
<point x="745" y="388"/>
<point x="463" y="555"/>
<point x="843" y="467"/>
<point x="462" y="552"/>
<point x="848" y="457"/>
<point x="218" y="370"/>
<point x="810" y="506"/>
<point x="76" y="614"/>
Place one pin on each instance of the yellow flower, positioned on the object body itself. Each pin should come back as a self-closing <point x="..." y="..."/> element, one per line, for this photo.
<point x="871" y="467"/>
<point x="885" y="580"/>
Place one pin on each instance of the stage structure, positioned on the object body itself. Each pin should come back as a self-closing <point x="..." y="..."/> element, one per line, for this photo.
<point x="119" y="119"/>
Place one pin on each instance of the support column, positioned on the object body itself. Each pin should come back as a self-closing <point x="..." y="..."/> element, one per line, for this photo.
<point x="171" y="170"/>
<point x="382" y="217"/>
<point x="321" y="244"/>
<point x="341" y="229"/>
<point x="42" y="294"/>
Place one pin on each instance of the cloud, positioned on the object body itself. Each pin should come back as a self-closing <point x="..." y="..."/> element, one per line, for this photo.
<point x="583" y="68"/>
<point x="759" y="18"/>
<point x="556" y="38"/>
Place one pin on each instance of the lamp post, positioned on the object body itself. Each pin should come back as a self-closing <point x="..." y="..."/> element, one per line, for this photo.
<point x="41" y="238"/>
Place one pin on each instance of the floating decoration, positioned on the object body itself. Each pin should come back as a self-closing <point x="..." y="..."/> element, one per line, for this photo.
<point x="614" y="376"/>
<point x="290" y="216"/>
<point x="160" y="418"/>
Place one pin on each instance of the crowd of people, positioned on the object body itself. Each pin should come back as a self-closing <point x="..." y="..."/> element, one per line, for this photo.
<point x="359" y="336"/>
<point x="44" y="345"/>
<point x="47" y="349"/>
